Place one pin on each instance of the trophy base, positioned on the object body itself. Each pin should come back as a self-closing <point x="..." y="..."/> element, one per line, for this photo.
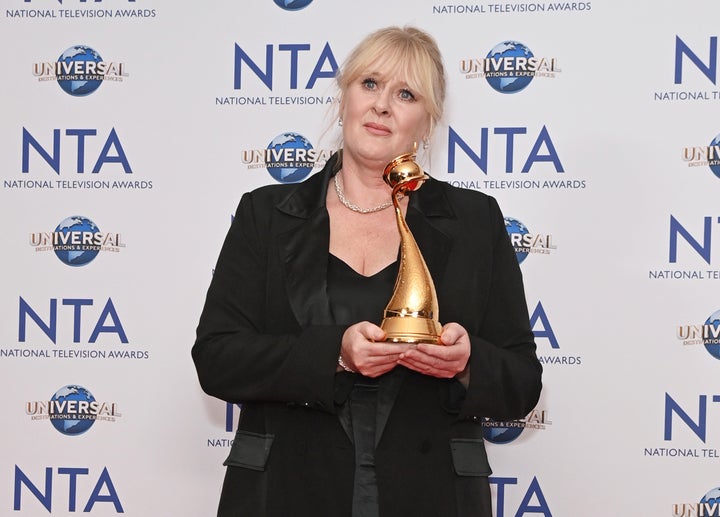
<point x="410" y="329"/>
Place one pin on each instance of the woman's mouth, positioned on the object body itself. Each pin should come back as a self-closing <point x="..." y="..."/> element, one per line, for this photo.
<point x="377" y="129"/>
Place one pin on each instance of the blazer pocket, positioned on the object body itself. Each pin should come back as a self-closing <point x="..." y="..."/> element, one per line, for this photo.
<point x="469" y="457"/>
<point x="250" y="450"/>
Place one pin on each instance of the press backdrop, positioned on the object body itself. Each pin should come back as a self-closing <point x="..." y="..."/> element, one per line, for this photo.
<point x="129" y="129"/>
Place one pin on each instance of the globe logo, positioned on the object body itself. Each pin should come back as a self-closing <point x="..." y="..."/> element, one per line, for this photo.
<point x="516" y="230"/>
<point x="292" y="5"/>
<point x="72" y="245"/>
<point x="711" y="503"/>
<point x="78" y="84"/>
<point x="712" y="344"/>
<point x="289" y="158"/>
<point x="506" y="79"/>
<point x="715" y="163"/>
<point x="70" y="410"/>
<point x="495" y="432"/>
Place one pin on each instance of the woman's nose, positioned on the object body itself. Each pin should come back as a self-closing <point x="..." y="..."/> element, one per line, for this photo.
<point x="382" y="103"/>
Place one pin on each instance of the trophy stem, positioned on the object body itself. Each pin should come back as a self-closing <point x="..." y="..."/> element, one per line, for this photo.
<point x="411" y="315"/>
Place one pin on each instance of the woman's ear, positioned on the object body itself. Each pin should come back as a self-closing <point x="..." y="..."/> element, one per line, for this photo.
<point x="341" y="106"/>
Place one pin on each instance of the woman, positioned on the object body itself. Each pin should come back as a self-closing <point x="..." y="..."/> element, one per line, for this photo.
<point x="335" y="421"/>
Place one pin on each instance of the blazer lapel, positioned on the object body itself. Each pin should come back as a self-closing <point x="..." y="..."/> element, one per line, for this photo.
<point x="303" y="244"/>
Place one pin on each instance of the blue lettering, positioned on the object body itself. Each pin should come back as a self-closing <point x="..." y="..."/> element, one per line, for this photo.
<point x="21" y="479"/>
<point x="111" y="497"/>
<point x="241" y="57"/>
<point x="481" y="160"/>
<point x="510" y="132"/>
<point x="266" y="75"/>
<point x="500" y="484"/>
<point x="77" y="304"/>
<point x="702" y="249"/>
<point x="109" y="311"/>
<point x="294" y="49"/>
<point x="454" y="139"/>
<point x="72" y="484"/>
<point x="709" y="70"/>
<point x="552" y="156"/>
<point x="52" y="160"/>
<point x="112" y="141"/>
<point x="81" y="134"/>
<point x="50" y="329"/>
<point x="318" y="73"/>
<point x="539" y="314"/>
<point x="533" y="490"/>
<point x="230" y="415"/>
<point x="45" y="498"/>
<point x="542" y="507"/>
<point x="699" y="428"/>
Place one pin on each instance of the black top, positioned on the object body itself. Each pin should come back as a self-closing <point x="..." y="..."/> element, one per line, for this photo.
<point x="353" y="298"/>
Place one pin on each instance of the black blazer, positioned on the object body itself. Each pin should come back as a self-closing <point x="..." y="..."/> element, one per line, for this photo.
<point x="267" y="339"/>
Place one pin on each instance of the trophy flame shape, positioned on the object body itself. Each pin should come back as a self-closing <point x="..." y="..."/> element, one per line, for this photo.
<point x="411" y="315"/>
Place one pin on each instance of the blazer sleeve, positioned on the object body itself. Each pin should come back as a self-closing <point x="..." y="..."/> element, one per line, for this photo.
<point x="505" y="374"/>
<point x="237" y="358"/>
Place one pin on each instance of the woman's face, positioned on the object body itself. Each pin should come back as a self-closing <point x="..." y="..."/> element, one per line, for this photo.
<point x="382" y="118"/>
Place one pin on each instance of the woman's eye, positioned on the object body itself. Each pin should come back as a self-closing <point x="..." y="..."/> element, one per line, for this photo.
<point x="407" y="95"/>
<point x="369" y="83"/>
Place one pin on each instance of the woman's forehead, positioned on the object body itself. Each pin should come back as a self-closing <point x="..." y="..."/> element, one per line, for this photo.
<point x="388" y="69"/>
<point x="385" y="75"/>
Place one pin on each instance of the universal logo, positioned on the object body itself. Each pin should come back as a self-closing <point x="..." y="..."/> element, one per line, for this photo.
<point x="704" y="156"/>
<point x="76" y="241"/>
<point x="524" y="242"/>
<point x="289" y="157"/>
<point x="707" y="334"/>
<point x="502" y="432"/>
<point x="509" y="67"/>
<point x="709" y="506"/>
<point x="72" y="410"/>
<point x="79" y="71"/>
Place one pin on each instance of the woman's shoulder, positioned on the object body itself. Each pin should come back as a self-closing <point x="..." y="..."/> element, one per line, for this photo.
<point x="271" y="192"/>
<point x="310" y="190"/>
<point x="299" y="199"/>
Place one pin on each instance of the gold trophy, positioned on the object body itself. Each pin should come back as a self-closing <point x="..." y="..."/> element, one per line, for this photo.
<point x="411" y="315"/>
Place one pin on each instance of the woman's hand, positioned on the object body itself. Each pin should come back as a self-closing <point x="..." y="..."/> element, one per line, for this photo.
<point x="446" y="361"/>
<point x="365" y="351"/>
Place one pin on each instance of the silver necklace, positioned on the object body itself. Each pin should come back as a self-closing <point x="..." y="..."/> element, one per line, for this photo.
<point x="352" y="206"/>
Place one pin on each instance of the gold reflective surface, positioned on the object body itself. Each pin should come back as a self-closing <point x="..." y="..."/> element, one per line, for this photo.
<point x="411" y="315"/>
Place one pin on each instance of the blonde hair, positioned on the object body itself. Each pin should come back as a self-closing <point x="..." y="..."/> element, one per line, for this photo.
<point x="410" y="51"/>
